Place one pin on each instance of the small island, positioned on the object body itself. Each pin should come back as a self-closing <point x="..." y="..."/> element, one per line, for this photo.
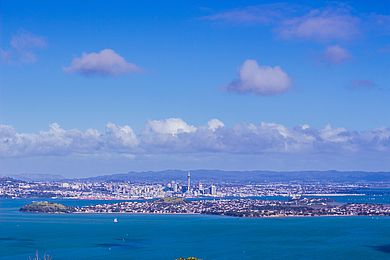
<point x="47" y="207"/>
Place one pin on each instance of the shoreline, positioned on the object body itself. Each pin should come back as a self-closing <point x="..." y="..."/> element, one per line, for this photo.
<point x="333" y="195"/>
<point x="127" y="213"/>
<point x="307" y="207"/>
<point x="201" y="214"/>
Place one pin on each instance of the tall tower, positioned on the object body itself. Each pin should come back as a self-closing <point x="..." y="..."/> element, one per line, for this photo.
<point x="189" y="182"/>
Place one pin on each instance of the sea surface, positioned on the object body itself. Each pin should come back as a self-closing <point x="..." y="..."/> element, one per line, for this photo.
<point x="93" y="236"/>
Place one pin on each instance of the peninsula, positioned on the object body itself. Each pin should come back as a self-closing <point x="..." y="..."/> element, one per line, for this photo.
<point x="228" y="207"/>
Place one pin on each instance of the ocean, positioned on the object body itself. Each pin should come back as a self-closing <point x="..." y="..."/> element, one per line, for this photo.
<point x="93" y="236"/>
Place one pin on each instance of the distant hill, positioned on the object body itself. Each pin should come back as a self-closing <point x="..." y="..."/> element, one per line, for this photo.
<point x="38" y="177"/>
<point x="6" y="179"/>
<point x="219" y="176"/>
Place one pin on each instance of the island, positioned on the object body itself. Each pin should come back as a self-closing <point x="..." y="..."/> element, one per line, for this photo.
<point x="47" y="207"/>
<point x="253" y="208"/>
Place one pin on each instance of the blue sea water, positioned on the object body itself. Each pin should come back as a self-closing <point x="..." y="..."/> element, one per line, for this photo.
<point x="74" y="236"/>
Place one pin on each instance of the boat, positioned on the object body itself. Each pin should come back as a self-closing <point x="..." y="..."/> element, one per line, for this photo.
<point x="115" y="220"/>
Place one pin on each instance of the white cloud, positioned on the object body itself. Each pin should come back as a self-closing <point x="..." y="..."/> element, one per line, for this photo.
<point x="305" y="126"/>
<point x="120" y="136"/>
<point x="214" y="124"/>
<point x="260" y="80"/>
<point x="175" y="136"/>
<point x="322" y="25"/>
<point x="335" y="54"/>
<point x="170" y="126"/>
<point x="105" y="63"/>
<point x="58" y="141"/>
<point x="334" y="135"/>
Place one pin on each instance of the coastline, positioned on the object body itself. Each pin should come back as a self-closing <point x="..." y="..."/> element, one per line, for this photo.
<point x="332" y="195"/>
<point x="201" y="214"/>
<point x="249" y="208"/>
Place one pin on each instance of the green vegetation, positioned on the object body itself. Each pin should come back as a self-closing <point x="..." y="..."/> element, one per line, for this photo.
<point x="47" y="207"/>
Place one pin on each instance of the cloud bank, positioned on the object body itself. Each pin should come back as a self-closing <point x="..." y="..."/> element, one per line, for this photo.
<point x="175" y="136"/>
<point x="104" y="63"/>
<point x="260" y="80"/>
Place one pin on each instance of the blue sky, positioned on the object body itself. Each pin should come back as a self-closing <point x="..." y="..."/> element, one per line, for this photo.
<point x="164" y="69"/>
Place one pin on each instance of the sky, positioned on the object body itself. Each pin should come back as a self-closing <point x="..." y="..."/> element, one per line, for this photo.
<point x="99" y="87"/>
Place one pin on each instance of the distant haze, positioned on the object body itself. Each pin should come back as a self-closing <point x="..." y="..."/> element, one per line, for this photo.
<point x="218" y="176"/>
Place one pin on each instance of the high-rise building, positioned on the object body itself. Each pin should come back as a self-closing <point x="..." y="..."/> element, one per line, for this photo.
<point x="213" y="190"/>
<point x="189" y="182"/>
<point x="175" y="187"/>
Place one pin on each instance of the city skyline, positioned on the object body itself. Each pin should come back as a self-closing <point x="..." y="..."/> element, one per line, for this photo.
<point x="244" y="85"/>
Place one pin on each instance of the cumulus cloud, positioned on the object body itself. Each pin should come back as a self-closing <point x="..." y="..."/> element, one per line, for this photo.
<point x="334" y="135"/>
<point x="170" y="126"/>
<point x="104" y="63"/>
<point x="260" y="80"/>
<point x="214" y="124"/>
<point x="23" y="47"/>
<point x="335" y="54"/>
<point x="120" y="136"/>
<point x="175" y="136"/>
<point x="58" y="141"/>
<point x="322" y="25"/>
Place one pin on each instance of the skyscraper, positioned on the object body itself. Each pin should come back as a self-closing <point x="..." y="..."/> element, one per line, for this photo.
<point x="189" y="182"/>
<point x="175" y="186"/>
<point x="213" y="190"/>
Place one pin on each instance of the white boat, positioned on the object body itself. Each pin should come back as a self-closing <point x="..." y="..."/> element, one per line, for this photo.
<point x="115" y="220"/>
